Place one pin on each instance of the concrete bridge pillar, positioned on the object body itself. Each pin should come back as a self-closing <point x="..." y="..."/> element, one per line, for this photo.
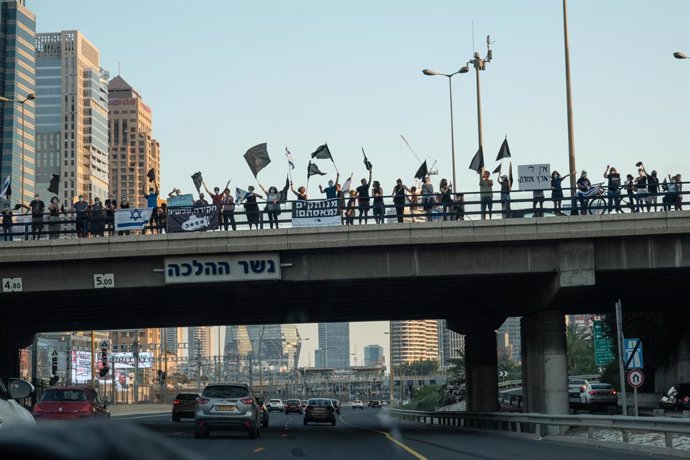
<point x="481" y="372"/>
<point x="10" y="343"/>
<point x="544" y="363"/>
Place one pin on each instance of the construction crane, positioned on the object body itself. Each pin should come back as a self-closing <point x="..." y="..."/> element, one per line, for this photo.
<point x="432" y="169"/>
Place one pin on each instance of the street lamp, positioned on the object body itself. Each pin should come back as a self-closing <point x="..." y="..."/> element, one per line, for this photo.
<point x="680" y="55"/>
<point x="29" y="97"/>
<point x="432" y="73"/>
<point x="391" y="383"/>
<point x="480" y="64"/>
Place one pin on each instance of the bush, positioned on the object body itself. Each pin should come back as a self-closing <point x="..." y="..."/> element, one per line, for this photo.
<point x="427" y="398"/>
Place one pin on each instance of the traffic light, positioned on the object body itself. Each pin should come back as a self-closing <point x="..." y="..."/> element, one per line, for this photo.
<point x="54" y="379"/>
<point x="103" y="371"/>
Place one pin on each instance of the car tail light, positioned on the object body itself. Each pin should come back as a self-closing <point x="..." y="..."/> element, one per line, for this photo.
<point x="176" y="402"/>
<point x="202" y="400"/>
<point x="582" y="387"/>
<point x="247" y="401"/>
<point x="86" y="408"/>
<point x="37" y="409"/>
<point x="613" y="392"/>
<point x="593" y="392"/>
<point x="686" y="399"/>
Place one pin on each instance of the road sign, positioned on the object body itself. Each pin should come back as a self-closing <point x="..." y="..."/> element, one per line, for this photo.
<point x="503" y="373"/>
<point x="633" y="354"/>
<point x="604" y="345"/>
<point x="103" y="280"/>
<point x="104" y="344"/>
<point x="12" y="285"/>
<point x="635" y="378"/>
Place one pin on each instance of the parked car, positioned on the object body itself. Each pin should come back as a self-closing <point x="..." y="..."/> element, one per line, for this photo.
<point x="227" y="406"/>
<point x="320" y="410"/>
<point x="183" y="406"/>
<point x="275" y="404"/>
<point x="336" y="404"/>
<point x="677" y="397"/>
<point x="375" y="404"/>
<point x="357" y="404"/>
<point x="293" y="406"/>
<point x="263" y="412"/>
<point x="11" y="412"/>
<point x="574" y="387"/>
<point x="71" y="403"/>
<point x="598" y="394"/>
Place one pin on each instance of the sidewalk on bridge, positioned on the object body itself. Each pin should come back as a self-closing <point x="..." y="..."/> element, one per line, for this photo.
<point x="117" y="410"/>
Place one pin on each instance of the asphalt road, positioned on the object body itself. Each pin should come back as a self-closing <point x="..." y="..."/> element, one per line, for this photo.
<point x="362" y="435"/>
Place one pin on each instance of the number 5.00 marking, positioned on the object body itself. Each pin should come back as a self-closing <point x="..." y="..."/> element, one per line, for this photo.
<point x="103" y="280"/>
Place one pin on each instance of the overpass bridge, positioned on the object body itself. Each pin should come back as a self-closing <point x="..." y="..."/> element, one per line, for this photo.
<point x="472" y="273"/>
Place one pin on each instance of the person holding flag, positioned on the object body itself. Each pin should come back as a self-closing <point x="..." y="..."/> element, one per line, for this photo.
<point x="272" y="204"/>
<point x="227" y="206"/>
<point x="363" y="199"/>
<point x="446" y="189"/>
<point x="486" y="194"/>
<point x="301" y="192"/>
<point x="331" y="190"/>
<point x="428" y="197"/>
<point x="506" y="185"/>
<point x="251" y="208"/>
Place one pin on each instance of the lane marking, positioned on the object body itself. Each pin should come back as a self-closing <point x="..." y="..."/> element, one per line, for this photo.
<point x="258" y="449"/>
<point x="388" y="436"/>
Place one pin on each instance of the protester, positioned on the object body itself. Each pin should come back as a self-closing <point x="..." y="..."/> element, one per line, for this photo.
<point x="379" y="206"/>
<point x="124" y="204"/>
<point x="7" y="223"/>
<point x="613" y="189"/>
<point x="152" y="202"/>
<point x="340" y="196"/>
<point x="301" y="192"/>
<point x="428" y="197"/>
<point x="251" y="208"/>
<point x="557" y="191"/>
<point x="459" y="206"/>
<point x="486" y="194"/>
<point x="583" y="186"/>
<point x="81" y="208"/>
<point x="630" y="190"/>
<point x="445" y="189"/>
<point x="363" y="199"/>
<point x="330" y="191"/>
<point x="653" y="186"/>
<point x="202" y="200"/>
<point x="399" y="199"/>
<point x="54" y="218"/>
<point x="97" y="218"/>
<point x="37" y="207"/>
<point x="163" y="218"/>
<point x="175" y="192"/>
<point x="642" y="197"/>
<point x="538" y="202"/>
<point x="272" y="204"/>
<point x="228" y="210"/>
<point x="216" y="197"/>
<point x="110" y="207"/>
<point x="350" y="208"/>
<point x="505" y="196"/>
<point x="413" y="203"/>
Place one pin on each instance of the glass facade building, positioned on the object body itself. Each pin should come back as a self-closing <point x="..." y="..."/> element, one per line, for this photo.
<point x="334" y="346"/>
<point x="373" y="356"/>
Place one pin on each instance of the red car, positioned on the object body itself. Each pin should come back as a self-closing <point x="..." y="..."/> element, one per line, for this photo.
<point x="71" y="403"/>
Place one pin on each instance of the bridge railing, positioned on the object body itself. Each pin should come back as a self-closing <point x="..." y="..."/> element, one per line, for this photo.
<point x="522" y="205"/>
<point x="535" y="423"/>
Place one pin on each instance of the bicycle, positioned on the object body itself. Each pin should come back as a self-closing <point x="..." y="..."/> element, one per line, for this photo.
<point x="599" y="201"/>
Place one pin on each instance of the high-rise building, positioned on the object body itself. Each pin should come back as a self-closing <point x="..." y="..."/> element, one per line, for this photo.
<point x="334" y="346"/>
<point x="277" y="346"/>
<point x="17" y="82"/>
<point x="133" y="150"/>
<point x="450" y="344"/>
<point x="414" y="340"/>
<point x="200" y="343"/>
<point x="510" y="329"/>
<point x="373" y="356"/>
<point x="71" y="116"/>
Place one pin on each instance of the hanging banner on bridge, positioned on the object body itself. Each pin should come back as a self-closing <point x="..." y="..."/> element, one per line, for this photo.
<point x="225" y="267"/>
<point x="534" y="177"/>
<point x="132" y="219"/>
<point x="192" y="219"/>
<point x="181" y="200"/>
<point x="315" y="213"/>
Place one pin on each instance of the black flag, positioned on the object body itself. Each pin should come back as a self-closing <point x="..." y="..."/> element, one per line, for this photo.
<point x="367" y="163"/>
<point x="54" y="186"/>
<point x="504" y="152"/>
<point x="151" y="175"/>
<point x="6" y="187"/>
<point x="313" y="170"/>
<point x="198" y="180"/>
<point x="478" y="161"/>
<point x="322" y="153"/>
<point x="257" y="158"/>
<point x="497" y="170"/>
<point x="510" y="173"/>
<point x="421" y="172"/>
<point x="284" y="192"/>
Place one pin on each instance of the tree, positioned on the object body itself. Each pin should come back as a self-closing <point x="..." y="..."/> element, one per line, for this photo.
<point x="580" y="350"/>
<point x="420" y="367"/>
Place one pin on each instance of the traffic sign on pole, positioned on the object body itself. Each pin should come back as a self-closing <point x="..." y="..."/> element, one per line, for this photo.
<point x="635" y="378"/>
<point x="604" y="351"/>
<point x="633" y="354"/>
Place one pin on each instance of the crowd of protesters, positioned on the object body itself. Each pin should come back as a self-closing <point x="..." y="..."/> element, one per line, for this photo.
<point x="364" y="203"/>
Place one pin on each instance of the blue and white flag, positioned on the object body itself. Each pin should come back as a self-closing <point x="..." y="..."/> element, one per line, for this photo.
<point x="6" y="189"/>
<point x="240" y="195"/>
<point x="291" y="162"/>
<point x="132" y="219"/>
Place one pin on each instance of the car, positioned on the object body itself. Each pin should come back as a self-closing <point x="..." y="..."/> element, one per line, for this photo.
<point x="319" y="410"/>
<point x="71" y="403"/>
<point x="183" y="406"/>
<point x="357" y="404"/>
<point x="676" y="398"/>
<point x="227" y="406"/>
<point x="293" y="406"/>
<point x="594" y="395"/>
<point x="275" y="404"/>
<point x="336" y="404"/>
<point x="375" y="404"/>
<point x="263" y="413"/>
<point x="11" y="412"/>
<point x="574" y="387"/>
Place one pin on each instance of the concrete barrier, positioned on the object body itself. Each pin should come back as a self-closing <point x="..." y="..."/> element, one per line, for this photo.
<point x="131" y="409"/>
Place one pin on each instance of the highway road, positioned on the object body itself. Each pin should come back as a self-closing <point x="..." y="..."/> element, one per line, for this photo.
<point x="363" y="435"/>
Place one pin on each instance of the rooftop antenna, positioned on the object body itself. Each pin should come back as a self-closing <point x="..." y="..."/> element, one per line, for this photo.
<point x="118" y="68"/>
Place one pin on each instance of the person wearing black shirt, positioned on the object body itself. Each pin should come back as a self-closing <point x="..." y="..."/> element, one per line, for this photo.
<point x="379" y="206"/>
<point x="653" y="186"/>
<point x="110" y="207"/>
<point x="363" y="199"/>
<point x="614" y="189"/>
<point x="557" y="191"/>
<point x="399" y="199"/>
<point x="642" y="196"/>
<point x="37" y="207"/>
<point x="583" y="186"/>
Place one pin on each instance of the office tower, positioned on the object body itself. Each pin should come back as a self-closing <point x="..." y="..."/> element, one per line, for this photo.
<point x="133" y="150"/>
<point x="17" y="80"/>
<point x="511" y="327"/>
<point x="334" y="346"/>
<point x="277" y="346"/>
<point x="414" y="340"/>
<point x="199" y="342"/>
<point x="450" y="344"/>
<point x="71" y="116"/>
<point x="373" y="356"/>
<point x="171" y="339"/>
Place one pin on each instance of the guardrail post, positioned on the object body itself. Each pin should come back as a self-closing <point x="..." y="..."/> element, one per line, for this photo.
<point x="626" y="436"/>
<point x="669" y="440"/>
<point x="590" y="432"/>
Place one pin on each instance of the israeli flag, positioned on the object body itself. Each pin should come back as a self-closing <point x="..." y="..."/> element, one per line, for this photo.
<point x="132" y="219"/>
<point x="240" y="195"/>
<point x="6" y="187"/>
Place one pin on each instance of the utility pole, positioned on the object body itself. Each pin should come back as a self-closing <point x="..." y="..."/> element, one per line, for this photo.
<point x="621" y="361"/>
<point x="135" y="351"/>
<point x="569" y="104"/>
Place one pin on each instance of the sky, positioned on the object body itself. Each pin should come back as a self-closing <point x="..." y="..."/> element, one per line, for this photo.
<point x="222" y="76"/>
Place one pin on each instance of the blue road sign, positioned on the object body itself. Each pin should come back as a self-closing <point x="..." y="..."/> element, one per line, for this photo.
<point x="633" y="354"/>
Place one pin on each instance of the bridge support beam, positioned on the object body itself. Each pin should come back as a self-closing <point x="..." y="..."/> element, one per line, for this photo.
<point x="481" y="372"/>
<point x="545" y="363"/>
<point x="10" y="343"/>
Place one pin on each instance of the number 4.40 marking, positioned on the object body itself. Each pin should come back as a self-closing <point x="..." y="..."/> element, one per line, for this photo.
<point x="12" y="285"/>
<point x="103" y="280"/>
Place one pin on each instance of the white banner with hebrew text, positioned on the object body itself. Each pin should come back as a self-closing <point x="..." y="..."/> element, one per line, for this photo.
<point x="223" y="267"/>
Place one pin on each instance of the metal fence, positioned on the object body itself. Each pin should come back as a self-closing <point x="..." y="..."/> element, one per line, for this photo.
<point x="463" y="206"/>
<point x="535" y="423"/>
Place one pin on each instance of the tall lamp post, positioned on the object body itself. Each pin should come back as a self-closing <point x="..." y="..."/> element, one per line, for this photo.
<point x="569" y="102"/>
<point x="480" y="64"/>
<point x="391" y="376"/>
<point x="29" y="97"/>
<point x="680" y="55"/>
<point x="430" y="72"/>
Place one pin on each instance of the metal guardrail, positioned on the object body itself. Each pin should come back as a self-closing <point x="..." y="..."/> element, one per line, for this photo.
<point x="533" y="423"/>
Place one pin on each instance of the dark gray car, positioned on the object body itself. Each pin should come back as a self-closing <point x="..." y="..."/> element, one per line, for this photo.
<point x="227" y="406"/>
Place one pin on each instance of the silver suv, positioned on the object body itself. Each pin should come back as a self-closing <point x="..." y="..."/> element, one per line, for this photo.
<point x="227" y="406"/>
